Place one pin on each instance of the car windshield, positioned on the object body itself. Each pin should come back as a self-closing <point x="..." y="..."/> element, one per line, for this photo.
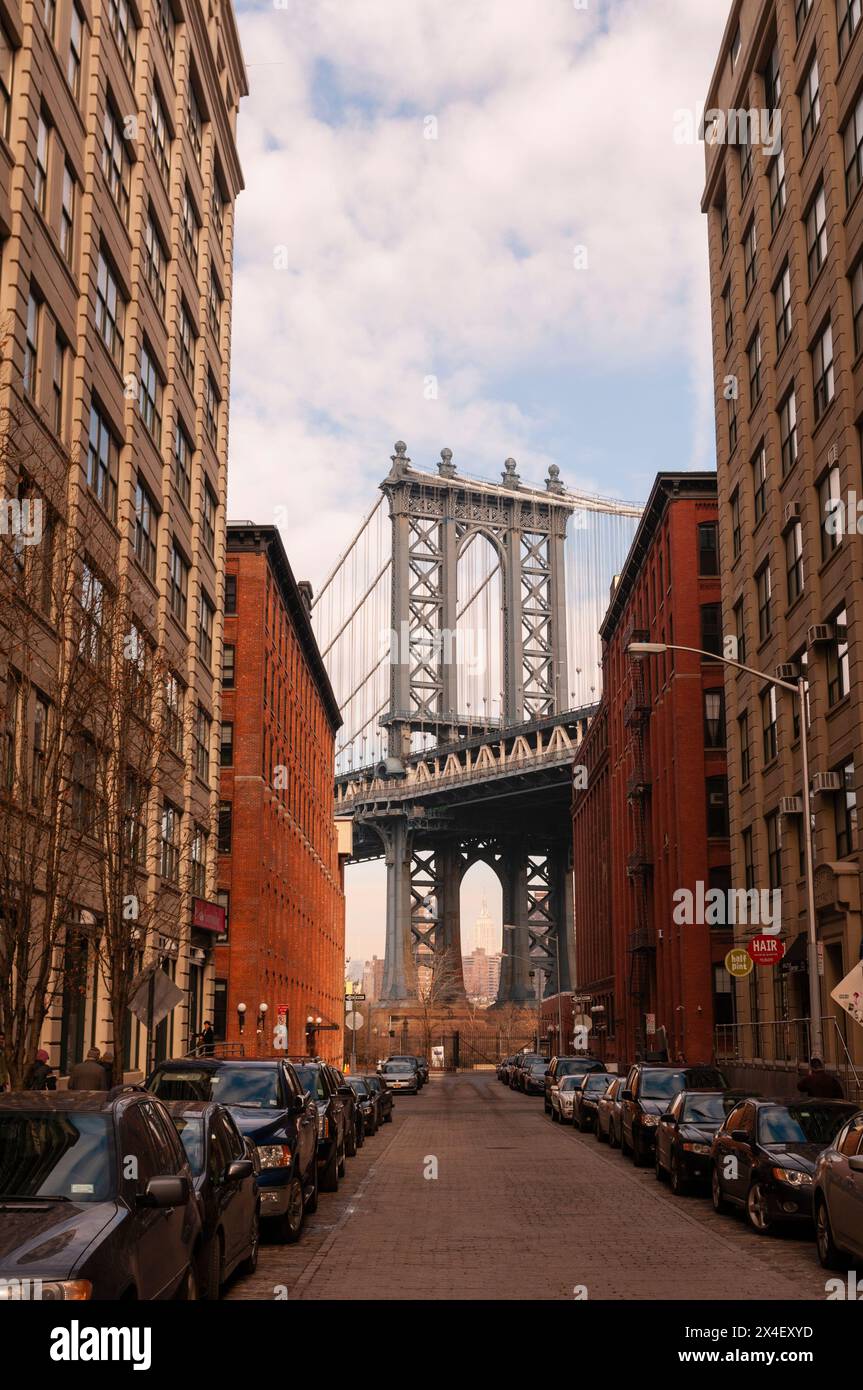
<point x="706" y="1108"/>
<point x="56" y="1154"/>
<point x="401" y="1068"/>
<point x="798" y="1124"/>
<point x="191" y="1131"/>
<point x="567" y="1068"/>
<point x="411" y="1060"/>
<point x="311" y="1080"/>
<point x="254" y="1087"/>
<point x="571" y="1082"/>
<point x="537" y="1068"/>
<point x="373" y="1083"/>
<point x="659" y="1085"/>
<point x="358" y="1085"/>
<point x="597" y="1082"/>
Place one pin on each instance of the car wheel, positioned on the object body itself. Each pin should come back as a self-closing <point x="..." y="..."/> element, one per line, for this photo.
<point x="351" y="1142"/>
<point x="250" y="1263"/>
<point x="828" y="1254"/>
<point x="546" y="1107"/>
<point x="361" y="1135"/>
<point x="756" y="1210"/>
<point x="288" y="1228"/>
<point x="189" y="1287"/>
<point x="660" y="1171"/>
<point x="612" y="1136"/>
<point x="341" y="1168"/>
<point x="639" y="1157"/>
<point x="679" y="1183"/>
<point x="211" y="1279"/>
<point x="312" y="1201"/>
<point x="554" y="1115"/>
<point x="328" y="1180"/>
<point x="583" y="1124"/>
<point x="388" y="1117"/>
<point x="601" y="1136"/>
<point x="719" y="1203"/>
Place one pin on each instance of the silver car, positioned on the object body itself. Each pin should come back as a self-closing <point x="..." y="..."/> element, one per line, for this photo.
<point x="563" y="1095"/>
<point x="838" y="1197"/>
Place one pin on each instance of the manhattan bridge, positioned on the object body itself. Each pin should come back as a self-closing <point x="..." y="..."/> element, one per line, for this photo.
<point x="460" y="632"/>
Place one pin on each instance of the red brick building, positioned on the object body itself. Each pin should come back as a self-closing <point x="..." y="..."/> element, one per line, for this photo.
<point x="654" y="816"/>
<point x="279" y="869"/>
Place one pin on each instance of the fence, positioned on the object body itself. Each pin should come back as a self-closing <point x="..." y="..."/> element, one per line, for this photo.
<point x="786" y="1042"/>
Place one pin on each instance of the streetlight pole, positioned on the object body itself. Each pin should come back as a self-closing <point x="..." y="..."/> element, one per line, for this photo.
<point x="537" y="968"/>
<point x="798" y="689"/>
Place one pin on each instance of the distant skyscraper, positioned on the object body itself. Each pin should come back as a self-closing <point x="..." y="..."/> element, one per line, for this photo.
<point x="487" y="934"/>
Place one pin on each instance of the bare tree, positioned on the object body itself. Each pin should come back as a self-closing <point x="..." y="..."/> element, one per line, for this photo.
<point x="439" y="978"/>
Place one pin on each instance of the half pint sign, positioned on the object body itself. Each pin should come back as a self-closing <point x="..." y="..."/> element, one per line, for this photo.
<point x="766" y="950"/>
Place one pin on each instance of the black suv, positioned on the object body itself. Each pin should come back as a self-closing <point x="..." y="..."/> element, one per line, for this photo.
<point x="336" y="1124"/>
<point x="97" y="1198"/>
<point x="648" y="1093"/>
<point x="565" y="1066"/>
<point x="271" y="1108"/>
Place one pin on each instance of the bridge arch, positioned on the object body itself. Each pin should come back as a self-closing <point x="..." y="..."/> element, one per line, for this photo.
<point x="480" y="625"/>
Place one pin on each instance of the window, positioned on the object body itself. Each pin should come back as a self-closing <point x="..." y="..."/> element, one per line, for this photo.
<point x="217" y="210"/>
<point x="794" y="561"/>
<point x="735" y="523"/>
<point x="160" y="140"/>
<point x="723" y="225"/>
<point x="743" y="742"/>
<point x="179" y="590"/>
<point x="31" y="343"/>
<point x="848" y="17"/>
<point x="203" y="728"/>
<point x="773" y="80"/>
<point x="49" y="14"/>
<point x="194" y="124"/>
<point x="93" y="613"/>
<point x="58" y="385"/>
<point x="754" y="356"/>
<point x="830" y="505"/>
<point x="122" y="23"/>
<point x="230" y="594"/>
<point x="759" y="483"/>
<point x="150" y="394"/>
<point x="714" y="718"/>
<point x="10" y="731"/>
<point x="102" y="462"/>
<point x="748" y="859"/>
<point x="135" y="819"/>
<point x="764" y="590"/>
<point x="732" y="424"/>
<point x="711" y="628"/>
<point x="816" y="234"/>
<point x="198" y="882"/>
<point x="182" y="462"/>
<point x="40" y="742"/>
<point x="717" y="807"/>
<point x="211" y="411"/>
<point x="857" y="305"/>
<point x="40" y="183"/>
<point x="172" y="819"/>
<point x="110" y="310"/>
<point x="214" y="306"/>
<point x="85" y="801"/>
<point x="735" y="48"/>
<point x="208" y="520"/>
<point x="846" y="813"/>
<point x="822" y="371"/>
<point x="226" y="746"/>
<point x="727" y="315"/>
<point x="778" y="191"/>
<point x="745" y="155"/>
<point x="225" y="826"/>
<point x="76" y="53"/>
<point x="175" y="700"/>
<point x="155" y="264"/>
<point x="810" y="105"/>
<point x="801" y="12"/>
<point x="852" y="139"/>
<point x="788" y="431"/>
<point x="67" y="216"/>
<point x="769" y="724"/>
<point x="205" y="630"/>
<point x="7" y="66"/>
<point x="167" y="26"/>
<point x="115" y="162"/>
<point x="146" y="527"/>
<point x="708" y="556"/>
<point x="186" y="346"/>
<point x="838" y="667"/>
<point x="749" y="249"/>
<point x="228" y="658"/>
<point x="190" y="226"/>
<point x="782" y="306"/>
<point x="774" y="849"/>
<point x="801" y="661"/>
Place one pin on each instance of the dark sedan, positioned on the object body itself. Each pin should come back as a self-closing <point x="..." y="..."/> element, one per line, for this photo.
<point x="763" y="1157"/>
<point x="533" y="1079"/>
<point x="685" y="1134"/>
<point x="586" y="1099"/>
<point x="648" y="1092"/>
<point x="367" y="1103"/>
<point x="384" y="1098"/>
<point x="96" y="1199"/>
<point x="227" y="1191"/>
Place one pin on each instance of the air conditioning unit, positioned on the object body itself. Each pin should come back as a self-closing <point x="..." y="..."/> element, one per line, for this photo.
<point x="791" y="512"/>
<point x="788" y="671"/>
<point x="826" y="782"/>
<point x="833" y="454"/>
<point x="791" y="805"/>
<point x="819" y="634"/>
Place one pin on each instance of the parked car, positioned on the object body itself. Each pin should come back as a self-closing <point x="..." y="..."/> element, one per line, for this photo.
<point x="335" y="1124"/>
<point x="503" y="1067"/>
<point x="226" y="1187"/>
<point x="272" y="1109"/>
<point x="74" y="1218"/>
<point x="563" y="1096"/>
<point x="685" y="1133"/>
<point x="367" y="1103"/>
<point x="838" y="1197"/>
<point x="608" y="1113"/>
<point x="523" y="1059"/>
<point x="384" y="1098"/>
<point x="763" y="1157"/>
<point x="648" y="1093"/>
<point x="400" y="1076"/>
<point x="533" y="1079"/>
<point x="356" y="1126"/>
<point x="565" y="1066"/>
<point x="416" y="1062"/>
<point x="586" y="1099"/>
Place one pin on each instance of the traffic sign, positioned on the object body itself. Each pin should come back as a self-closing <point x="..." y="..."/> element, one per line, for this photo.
<point x="766" y="950"/>
<point x="739" y="963"/>
<point x="354" y="1021"/>
<point x="349" y="998"/>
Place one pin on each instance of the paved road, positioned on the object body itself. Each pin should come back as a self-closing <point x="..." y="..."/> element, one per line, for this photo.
<point x="520" y="1208"/>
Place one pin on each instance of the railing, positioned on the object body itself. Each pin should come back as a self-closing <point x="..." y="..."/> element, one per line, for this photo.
<point x="217" y="1049"/>
<point x="786" y="1042"/>
<point x="402" y="788"/>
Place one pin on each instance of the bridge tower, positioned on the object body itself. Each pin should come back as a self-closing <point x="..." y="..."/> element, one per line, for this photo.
<point x="435" y="517"/>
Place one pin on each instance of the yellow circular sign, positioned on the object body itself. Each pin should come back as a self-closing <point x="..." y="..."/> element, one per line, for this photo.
<point x="739" y="963"/>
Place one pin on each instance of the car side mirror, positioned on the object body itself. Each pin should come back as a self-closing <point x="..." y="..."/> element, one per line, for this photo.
<point x="165" y="1192"/>
<point x="240" y="1169"/>
<point x="855" y="1163"/>
<point x="300" y="1103"/>
<point x="346" y="1091"/>
<point x="667" y="1118"/>
<point x="626" y="1095"/>
<point x="740" y="1136"/>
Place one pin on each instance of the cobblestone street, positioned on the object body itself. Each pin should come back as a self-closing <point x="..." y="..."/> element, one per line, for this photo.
<point x="521" y="1208"/>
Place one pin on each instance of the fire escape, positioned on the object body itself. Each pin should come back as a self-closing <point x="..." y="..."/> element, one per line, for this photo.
<point x="640" y="945"/>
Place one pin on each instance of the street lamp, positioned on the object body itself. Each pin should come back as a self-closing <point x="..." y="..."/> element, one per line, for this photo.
<point x="241" y="1017"/>
<point x="798" y="689"/>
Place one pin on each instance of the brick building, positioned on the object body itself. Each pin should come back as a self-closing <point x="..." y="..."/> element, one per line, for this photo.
<point x="655" y="808"/>
<point x="118" y="177"/>
<point x="279" y="870"/>
<point x="785" y="233"/>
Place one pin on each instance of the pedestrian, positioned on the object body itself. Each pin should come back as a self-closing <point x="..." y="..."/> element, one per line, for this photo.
<point x="106" y="1061"/>
<point x="88" y="1075"/>
<point x="4" y="1070"/>
<point x="40" y="1075"/>
<point x="208" y="1038"/>
<point x="819" y="1083"/>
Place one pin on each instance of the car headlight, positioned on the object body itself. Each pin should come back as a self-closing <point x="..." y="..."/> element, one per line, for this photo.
<point x="650" y="1119"/>
<point x="792" y="1176"/>
<point x="47" y="1291"/>
<point x="697" y="1148"/>
<point x="275" y="1155"/>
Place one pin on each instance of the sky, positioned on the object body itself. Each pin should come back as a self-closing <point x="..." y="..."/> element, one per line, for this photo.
<point x="466" y="223"/>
